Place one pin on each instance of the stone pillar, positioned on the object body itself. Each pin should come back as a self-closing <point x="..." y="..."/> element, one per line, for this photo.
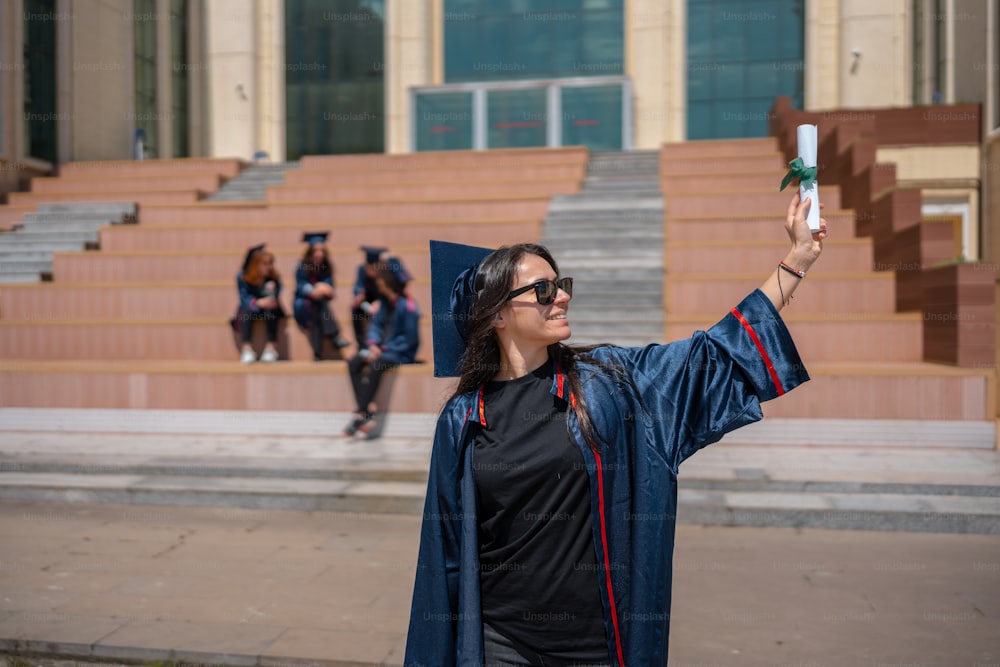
<point x="822" y="55"/>
<point x="269" y="134"/>
<point x="413" y="50"/>
<point x="230" y="78"/>
<point x="656" y="62"/>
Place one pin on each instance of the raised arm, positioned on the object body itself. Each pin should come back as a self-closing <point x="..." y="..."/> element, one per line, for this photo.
<point x="806" y="248"/>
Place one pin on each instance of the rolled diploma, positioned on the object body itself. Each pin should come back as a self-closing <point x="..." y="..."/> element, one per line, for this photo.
<point x="806" y="135"/>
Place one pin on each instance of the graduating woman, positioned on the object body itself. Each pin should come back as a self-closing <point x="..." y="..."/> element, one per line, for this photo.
<point x="314" y="290"/>
<point x="258" y="285"/>
<point x="393" y="338"/>
<point x="366" y="296"/>
<point x="548" y="527"/>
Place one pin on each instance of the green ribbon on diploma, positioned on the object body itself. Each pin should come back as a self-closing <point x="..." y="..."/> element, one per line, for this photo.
<point x="806" y="175"/>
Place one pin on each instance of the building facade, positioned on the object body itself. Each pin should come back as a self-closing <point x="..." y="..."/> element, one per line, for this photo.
<point x="278" y="79"/>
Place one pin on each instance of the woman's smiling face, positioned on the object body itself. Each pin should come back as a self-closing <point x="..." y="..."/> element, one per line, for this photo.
<point x="527" y="321"/>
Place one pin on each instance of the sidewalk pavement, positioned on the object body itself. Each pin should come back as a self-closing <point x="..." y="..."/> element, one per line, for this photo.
<point x="918" y="478"/>
<point x="100" y="559"/>
<point x="251" y="587"/>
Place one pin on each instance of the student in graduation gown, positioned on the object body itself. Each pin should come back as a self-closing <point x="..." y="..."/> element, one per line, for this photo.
<point x="366" y="297"/>
<point x="549" y="519"/>
<point x="259" y="286"/>
<point x="314" y="292"/>
<point x="393" y="338"/>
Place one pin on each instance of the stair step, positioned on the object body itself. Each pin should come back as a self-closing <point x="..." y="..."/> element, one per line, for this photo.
<point x="641" y="242"/>
<point x="24" y="266"/>
<point x="562" y="203"/>
<point x="74" y="217"/>
<point x="641" y="218"/>
<point x="10" y="246"/>
<point x="34" y="233"/>
<point x="8" y="254"/>
<point x="19" y="276"/>
<point x="609" y="315"/>
<point x="116" y="209"/>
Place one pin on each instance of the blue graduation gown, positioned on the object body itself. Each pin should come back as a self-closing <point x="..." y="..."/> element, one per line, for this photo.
<point x="303" y="307"/>
<point x="674" y="400"/>
<point x="396" y="329"/>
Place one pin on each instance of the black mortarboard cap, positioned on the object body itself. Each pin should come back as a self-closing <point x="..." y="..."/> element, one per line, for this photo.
<point x="250" y="253"/>
<point x="453" y="276"/>
<point x="395" y="266"/>
<point x="315" y="237"/>
<point x="372" y="253"/>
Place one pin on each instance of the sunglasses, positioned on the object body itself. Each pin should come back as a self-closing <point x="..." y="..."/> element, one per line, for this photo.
<point x="545" y="290"/>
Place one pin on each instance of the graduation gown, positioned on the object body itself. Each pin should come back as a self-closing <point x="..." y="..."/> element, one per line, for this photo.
<point x="671" y="401"/>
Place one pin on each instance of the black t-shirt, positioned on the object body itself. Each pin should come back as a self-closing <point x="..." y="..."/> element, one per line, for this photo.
<point x="538" y="569"/>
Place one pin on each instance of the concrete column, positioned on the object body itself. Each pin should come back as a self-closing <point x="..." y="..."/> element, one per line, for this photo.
<point x="409" y="61"/>
<point x="656" y="62"/>
<point x="164" y="89"/>
<point x="269" y="131"/>
<point x="822" y="55"/>
<point x="196" y="79"/>
<point x="96" y="80"/>
<point x="231" y="81"/>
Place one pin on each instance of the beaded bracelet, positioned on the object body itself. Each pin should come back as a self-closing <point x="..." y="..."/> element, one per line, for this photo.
<point x="794" y="272"/>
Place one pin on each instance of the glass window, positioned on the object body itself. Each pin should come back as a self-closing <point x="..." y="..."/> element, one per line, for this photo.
<point x="179" y="77"/>
<point x="146" y="115"/>
<point x="516" y="118"/>
<point x="592" y="117"/>
<point x="40" y="115"/>
<point x="334" y="72"/>
<point x="444" y="121"/>
<point x="741" y="55"/>
<point x="488" y="40"/>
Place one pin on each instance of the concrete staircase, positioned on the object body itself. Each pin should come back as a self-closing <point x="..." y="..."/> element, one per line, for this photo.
<point x="724" y="233"/>
<point x="842" y="474"/>
<point x="26" y="252"/>
<point x="609" y="238"/>
<point x="252" y="183"/>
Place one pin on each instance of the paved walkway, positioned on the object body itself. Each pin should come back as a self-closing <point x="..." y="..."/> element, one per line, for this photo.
<point x="249" y="587"/>
<point x="84" y="576"/>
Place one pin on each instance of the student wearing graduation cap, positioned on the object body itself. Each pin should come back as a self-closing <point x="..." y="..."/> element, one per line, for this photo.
<point x="314" y="290"/>
<point x="259" y="286"/>
<point x="393" y="338"/>
<point x="366" y="297"/>
<point x="548" y="526"/>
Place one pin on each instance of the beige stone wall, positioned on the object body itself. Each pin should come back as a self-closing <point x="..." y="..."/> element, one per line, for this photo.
<point x="822" y="55"/>
<point x="656" y="62"/>
<point x="269" y="132"/>
<point x="881" y="76"/>
<point x="946" y="175"/>
<point x="230" y="78"/>
<point x="413" y="48"/>
<point x="96" y="88"/>
<point x="916" y="163"/>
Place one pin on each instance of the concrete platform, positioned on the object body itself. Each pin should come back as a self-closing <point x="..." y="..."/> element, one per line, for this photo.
<point x="115" y="565"/>
<point x="908" y="476"/>
<point x="113" y="583"/>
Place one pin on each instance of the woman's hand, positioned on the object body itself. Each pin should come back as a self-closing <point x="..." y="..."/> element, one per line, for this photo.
<point x="321" y="291"/>
<point x="267" y="303"/>
<point x="806" y="244"/>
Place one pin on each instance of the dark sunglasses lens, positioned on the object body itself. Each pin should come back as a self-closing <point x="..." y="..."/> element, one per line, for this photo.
<point x="546" y="292"/>
<point x="566" y="285"/>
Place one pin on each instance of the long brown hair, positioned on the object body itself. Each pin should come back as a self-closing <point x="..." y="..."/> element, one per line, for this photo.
<point x="481" y="360"/>
<point x="318" y="270"/>
<point x="254" y="274"/>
